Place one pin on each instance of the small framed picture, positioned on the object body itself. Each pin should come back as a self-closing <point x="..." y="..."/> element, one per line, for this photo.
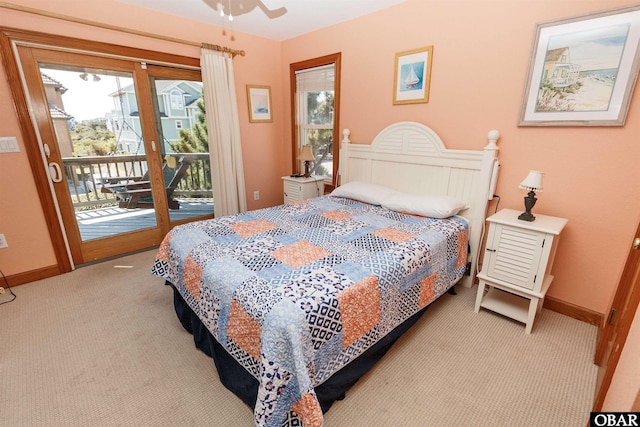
<point x="412" y="76"/>
<point x="583" y="70"/>
<point x="259" y="100"/>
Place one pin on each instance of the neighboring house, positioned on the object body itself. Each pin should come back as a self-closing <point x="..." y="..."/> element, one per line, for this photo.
<point x="559" y="70"/>
<point x="62" y="121"/>
<point x="176" y="108"/>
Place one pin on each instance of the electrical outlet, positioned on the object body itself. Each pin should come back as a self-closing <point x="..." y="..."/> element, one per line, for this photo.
<point x="256" y="195"/>
<point x="3" y="241"/>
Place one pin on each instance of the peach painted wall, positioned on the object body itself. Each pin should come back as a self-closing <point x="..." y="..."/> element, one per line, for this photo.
<point x="480" y="60"/>
<point x="481" y="55"/>
<point x="21" y="216"/>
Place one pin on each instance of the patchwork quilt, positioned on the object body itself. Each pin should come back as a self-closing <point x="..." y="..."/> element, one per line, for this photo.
<point x="295" y="292"/>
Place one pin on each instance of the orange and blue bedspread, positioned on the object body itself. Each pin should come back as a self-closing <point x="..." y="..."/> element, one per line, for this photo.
<point x="295" y="292"/>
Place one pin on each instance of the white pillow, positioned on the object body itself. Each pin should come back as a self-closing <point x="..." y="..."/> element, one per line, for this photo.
<point x="431" y="206"/>
<point x="364" y="192"/>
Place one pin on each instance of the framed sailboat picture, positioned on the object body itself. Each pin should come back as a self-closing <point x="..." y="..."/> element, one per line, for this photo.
<point x="412" y="76"/>
<point x="259" y="100"/>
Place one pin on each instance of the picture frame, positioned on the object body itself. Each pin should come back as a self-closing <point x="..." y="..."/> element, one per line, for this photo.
<point x="412" y="76"/>
<point x="259" y="102"/>
<point x="583" y="70"/>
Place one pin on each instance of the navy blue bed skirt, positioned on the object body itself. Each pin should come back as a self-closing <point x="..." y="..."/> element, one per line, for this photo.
<point x="236" y="378"/>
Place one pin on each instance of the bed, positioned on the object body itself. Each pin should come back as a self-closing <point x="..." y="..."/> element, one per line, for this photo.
<point x="294" y="303"/>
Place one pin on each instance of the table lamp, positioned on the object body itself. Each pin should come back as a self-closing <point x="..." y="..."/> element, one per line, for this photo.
<point x="533" y="183"/>
<point x="307" y="156"/>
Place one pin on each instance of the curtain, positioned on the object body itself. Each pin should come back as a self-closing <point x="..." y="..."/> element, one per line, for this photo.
<point x="223" y="127"/>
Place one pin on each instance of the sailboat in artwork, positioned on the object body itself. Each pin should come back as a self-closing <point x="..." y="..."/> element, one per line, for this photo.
<point x="260" y="108"/>
<point x="412" y="79"/>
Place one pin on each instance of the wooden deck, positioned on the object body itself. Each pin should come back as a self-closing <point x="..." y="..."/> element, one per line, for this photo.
<point x="104" y="222"/>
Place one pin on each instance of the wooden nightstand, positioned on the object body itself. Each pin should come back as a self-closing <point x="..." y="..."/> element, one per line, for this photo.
<point x="297" y="189"/>
<point x="517" y="264"/>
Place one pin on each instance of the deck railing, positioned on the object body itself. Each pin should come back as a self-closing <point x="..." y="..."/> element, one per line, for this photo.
<point x="86" y="175"/>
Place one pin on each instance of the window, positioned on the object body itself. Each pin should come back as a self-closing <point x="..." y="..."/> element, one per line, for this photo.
<point x="177" y="102"/>
<point x="315" y="103"/>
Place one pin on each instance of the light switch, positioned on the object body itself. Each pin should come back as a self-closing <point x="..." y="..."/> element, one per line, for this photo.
<point x="8" y="144"/>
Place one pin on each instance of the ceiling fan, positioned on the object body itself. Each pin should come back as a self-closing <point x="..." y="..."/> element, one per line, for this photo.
<point x="240" y="7"/>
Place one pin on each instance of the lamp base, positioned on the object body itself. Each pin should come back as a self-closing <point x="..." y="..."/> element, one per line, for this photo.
<point x="529" y="203"/>
<point x="306" y="169"/>
<point x="526" y="216"/>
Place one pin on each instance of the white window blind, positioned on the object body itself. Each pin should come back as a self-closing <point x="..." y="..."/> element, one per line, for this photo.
<point x="318" y="79"/>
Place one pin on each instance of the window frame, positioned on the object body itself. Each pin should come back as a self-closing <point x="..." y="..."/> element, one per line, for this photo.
<point x="334" y="59"/>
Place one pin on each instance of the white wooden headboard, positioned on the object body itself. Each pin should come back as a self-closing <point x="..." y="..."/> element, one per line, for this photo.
<point x="411" y="157"/>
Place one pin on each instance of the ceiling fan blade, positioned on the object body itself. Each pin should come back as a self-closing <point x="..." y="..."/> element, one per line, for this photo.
<point x="271" y="14"/>
<point x="237" y="8"/>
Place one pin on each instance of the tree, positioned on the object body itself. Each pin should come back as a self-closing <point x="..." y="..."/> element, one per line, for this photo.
<point x="92" y="138"/>
<point x="320" y="110"/>
<point x="196" y="139"/>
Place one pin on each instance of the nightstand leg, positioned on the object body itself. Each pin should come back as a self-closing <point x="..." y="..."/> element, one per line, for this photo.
<point x="533" y="308"/>
<point x="479" y="295"/>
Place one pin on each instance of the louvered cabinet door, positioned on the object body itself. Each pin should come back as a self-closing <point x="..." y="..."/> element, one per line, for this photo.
<point x="515" y="255"/>
<point x="299" y="188"/>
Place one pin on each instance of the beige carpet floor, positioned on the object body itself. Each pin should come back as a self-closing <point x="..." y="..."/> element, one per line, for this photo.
<point x="101" y="346"/>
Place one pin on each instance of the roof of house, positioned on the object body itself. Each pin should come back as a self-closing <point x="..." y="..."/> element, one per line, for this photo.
<point x="58" y="113"/>
<point x="48" y="81"/>
<point x="162" y="86"/>
<point x="554" y="55"/>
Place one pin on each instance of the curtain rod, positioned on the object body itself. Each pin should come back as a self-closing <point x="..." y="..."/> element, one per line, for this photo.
<point x="54" y="15"/>
<point x="219" y="48"/>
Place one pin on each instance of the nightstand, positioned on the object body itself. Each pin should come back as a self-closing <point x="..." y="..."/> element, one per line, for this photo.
<point x="297" y="189"/>
<point x="516" y="270"/>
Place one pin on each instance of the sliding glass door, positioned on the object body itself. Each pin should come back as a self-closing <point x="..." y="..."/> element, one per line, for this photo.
<point x="180" y="118"/>
<point x="119" y="140"/>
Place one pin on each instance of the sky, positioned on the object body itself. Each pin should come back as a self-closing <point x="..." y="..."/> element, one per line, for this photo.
<point x="86" y="100"/>
<point x="596" y="49"/>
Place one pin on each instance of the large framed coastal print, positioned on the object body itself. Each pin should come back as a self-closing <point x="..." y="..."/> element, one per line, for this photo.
<point x="583" y="70"/>
<point x="412" y="76"/>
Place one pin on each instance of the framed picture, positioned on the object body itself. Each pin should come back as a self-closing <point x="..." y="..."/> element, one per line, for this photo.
<point x="412" y="76"/>
<point x="583" y="70"/>
<point x="259" y="100"/>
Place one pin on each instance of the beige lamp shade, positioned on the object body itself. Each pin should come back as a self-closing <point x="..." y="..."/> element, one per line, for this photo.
<point x="306" y="154"/>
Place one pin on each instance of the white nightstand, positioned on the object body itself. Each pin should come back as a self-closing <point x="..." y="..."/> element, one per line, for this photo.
<point x="297" y="189"/>
<point x="517" y="264"/>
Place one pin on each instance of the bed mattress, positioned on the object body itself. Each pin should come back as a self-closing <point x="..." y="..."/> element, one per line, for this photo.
<point x="296" y="292"/>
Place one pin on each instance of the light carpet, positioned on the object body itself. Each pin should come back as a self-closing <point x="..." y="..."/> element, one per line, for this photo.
<point x="101" y="346"/>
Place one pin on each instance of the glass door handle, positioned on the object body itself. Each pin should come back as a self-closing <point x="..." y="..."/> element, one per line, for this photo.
<point x="55" y="173"/>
